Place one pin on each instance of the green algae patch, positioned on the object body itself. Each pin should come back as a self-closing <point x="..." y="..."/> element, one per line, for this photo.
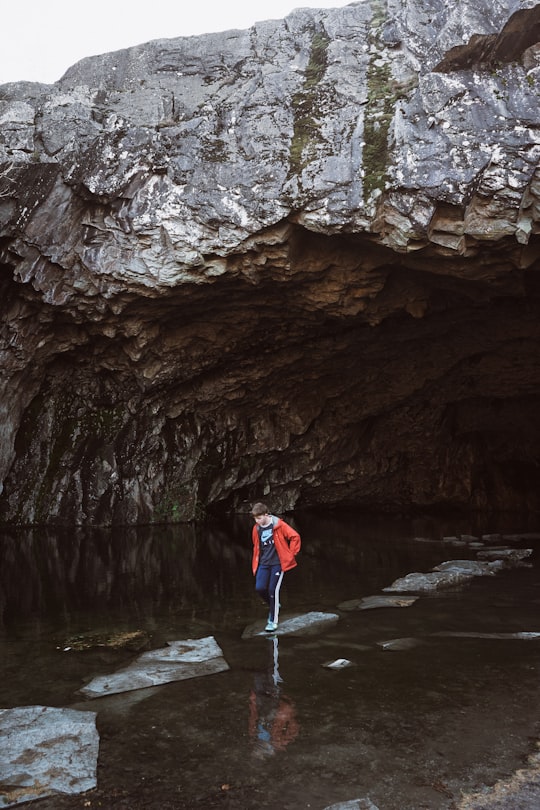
<point x="384" y="91"/>
<point x="178" y="504"/>
<point x="379" y="115"/>
<point x="306" y="129"/>
<point x="381" y="97"/>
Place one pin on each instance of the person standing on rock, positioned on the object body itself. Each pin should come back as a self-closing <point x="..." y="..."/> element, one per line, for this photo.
<point x="275" y="546"/>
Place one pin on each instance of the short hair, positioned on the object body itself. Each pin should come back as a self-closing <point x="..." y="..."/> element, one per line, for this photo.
<point x="259" y="509"/>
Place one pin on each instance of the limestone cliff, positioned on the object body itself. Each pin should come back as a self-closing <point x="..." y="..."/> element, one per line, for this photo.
<point x="298" y="261"/>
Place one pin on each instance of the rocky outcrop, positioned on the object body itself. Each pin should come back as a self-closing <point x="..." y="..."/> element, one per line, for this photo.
<point x="298" y="261"/>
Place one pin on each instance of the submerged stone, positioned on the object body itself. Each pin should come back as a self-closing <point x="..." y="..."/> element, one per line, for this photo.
<point x="380" y="601"/>
<point x="304" y="624"/>
<point x="434" y="580"/>
<point x="454" y="541"/>
<point x="135" y="640"/>
<point x="180" y="660"/>
<point x="508" y="555"/>
<point x="399" y="644"/>
<point x="521" y="636"/>
<point x="46" y="751"/>
<point x="353" y="804"/>
<point x="472" y="568"/>
<point x="491" y="538"/>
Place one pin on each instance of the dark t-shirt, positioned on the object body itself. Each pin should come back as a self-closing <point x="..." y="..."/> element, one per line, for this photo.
<point x="268" y="553"/>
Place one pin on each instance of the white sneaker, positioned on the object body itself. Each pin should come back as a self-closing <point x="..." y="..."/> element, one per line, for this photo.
<point x="270" y="626"/>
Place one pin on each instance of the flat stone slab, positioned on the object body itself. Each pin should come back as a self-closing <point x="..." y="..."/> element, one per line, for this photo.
<point x="180" y="660"/>
<point x="338" y="663"/>
<point x="523" y="536"/>
<point x="46" y="751"/>
<point x="509" y="555"/>
<point x="353" y="804"/>
<point x="380" y="601"/>
<point x="304" y="624"/>
<point x="448" y="574"/>
<point x="400" y="644"/>
<point x="468" y="568"/>
<point x="520" y="636"/>
<point x="433" y="581"/>
<point x="456" y="572"/>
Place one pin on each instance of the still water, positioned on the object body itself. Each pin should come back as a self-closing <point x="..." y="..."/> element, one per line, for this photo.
<point x="410" y="729"/>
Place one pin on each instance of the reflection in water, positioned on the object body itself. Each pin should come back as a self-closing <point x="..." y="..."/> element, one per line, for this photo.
<point x="47" y="571"/>
<point x="151" y="571"/>
<point x="272" y="715"/>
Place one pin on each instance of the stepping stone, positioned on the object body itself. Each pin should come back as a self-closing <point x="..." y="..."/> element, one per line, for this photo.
<point x="372" y="602"/>
<point x="180" y="660"/>
<point x="523" y="636"/>
<point x="339" y="663"/>
<point x="433" y="581"/>
<point x="454" y="541"/>
<point x="301" y="625"/>
<point x="400" y="644"/>
<point x="46" y="751"/>
<point x="469" y="568"/>
<point x="456" y="572"/>
<point x="509" y="555"/>
<point x="353" y="804"/>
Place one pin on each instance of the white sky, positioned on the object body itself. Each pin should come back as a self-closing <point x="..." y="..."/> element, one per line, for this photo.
<point x="42" y="38"/>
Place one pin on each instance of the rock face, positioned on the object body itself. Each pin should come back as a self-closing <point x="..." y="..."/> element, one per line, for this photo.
<point x="299" y="260"/>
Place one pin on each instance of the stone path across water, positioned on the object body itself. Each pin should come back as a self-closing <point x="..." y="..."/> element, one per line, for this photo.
<point x="52" y="751"/>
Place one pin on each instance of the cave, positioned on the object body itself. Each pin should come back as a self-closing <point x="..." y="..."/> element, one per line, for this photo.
<point x="214" y="291"/>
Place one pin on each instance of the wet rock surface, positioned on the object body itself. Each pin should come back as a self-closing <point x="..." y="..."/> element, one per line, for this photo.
<point x="454" y="573"/>
<point x="366" y="177"/>
<point x="305" y="624"/>
<point x="46" y="751"/>
<point x="354" y="804"/>
<point x="379" y="601"/>
<point x="189" y="658"/>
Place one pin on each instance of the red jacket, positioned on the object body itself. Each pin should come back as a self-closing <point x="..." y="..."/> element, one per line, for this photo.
<point x="286" y="541"/>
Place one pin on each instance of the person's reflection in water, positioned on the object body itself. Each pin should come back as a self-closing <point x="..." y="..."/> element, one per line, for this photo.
<point x="272" y="715"/>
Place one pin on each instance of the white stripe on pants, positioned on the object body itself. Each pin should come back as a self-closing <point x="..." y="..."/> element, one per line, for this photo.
<point x="276" y="603"/>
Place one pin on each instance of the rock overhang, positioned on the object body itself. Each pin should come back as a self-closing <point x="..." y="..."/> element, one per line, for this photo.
<point x="169" y="197"/>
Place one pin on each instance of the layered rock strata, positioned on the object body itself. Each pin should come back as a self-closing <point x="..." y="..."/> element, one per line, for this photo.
<point x="297" y="262"/>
